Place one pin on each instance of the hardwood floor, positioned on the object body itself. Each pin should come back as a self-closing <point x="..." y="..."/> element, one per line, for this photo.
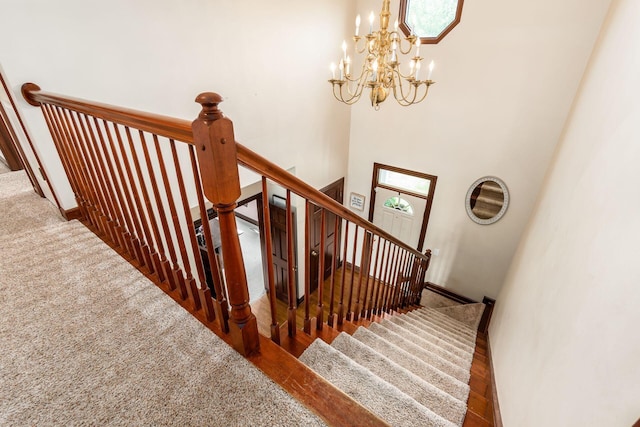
<point x="480" y="403"/>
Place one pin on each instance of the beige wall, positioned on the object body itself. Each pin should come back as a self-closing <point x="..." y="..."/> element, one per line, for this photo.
<point x="564" y="335"/>
<point x="506" y="77"/>
<point x="268" y="59"/>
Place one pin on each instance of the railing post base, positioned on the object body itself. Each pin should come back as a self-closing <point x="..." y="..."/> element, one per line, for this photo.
<point x="243" y="336"/>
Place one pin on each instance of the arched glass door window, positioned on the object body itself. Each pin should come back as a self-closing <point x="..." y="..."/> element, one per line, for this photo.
<point x="430" y="20"/>
<point x="399" y="204"/>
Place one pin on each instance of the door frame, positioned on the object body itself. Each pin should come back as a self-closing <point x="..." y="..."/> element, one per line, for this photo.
<point x="429" y="198"/>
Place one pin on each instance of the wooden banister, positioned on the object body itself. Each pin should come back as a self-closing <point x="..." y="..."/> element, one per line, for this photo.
<point x="178" y="129"/>
<point x="122" y="182"/>
<point x="217" y="158"/>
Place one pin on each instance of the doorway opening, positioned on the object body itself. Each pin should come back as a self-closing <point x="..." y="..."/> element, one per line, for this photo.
<point x="401" y="201"/>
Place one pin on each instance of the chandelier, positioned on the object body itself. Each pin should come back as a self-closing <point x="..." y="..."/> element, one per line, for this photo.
<point x="381" y="71"/>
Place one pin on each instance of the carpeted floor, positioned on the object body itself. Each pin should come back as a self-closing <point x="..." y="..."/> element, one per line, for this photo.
<point x="4" y="168"/>
<point x="85" y="339"/>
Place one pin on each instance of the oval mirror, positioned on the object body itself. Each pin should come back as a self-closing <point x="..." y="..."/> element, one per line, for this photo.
<point x="487" y="200"/>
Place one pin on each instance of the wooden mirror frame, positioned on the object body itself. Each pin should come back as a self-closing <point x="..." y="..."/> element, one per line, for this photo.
<point x="501" y="212"/>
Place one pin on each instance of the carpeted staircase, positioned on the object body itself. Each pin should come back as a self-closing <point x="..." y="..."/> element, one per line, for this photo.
<point x="412" y="369"/>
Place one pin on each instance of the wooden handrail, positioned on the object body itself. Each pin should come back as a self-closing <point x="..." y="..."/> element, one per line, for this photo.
<point x="259" y="164"/>
<point x="178" y="129"/>
<point x="160" y="125"/>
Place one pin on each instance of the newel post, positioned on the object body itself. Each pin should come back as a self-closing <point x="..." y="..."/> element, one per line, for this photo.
<point x="217" y="158"/>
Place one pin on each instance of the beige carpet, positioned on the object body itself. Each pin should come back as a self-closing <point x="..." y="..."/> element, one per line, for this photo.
<point x="4" y="168"/>
<point x="85" y="339"/>
<point x="411" y="369"/>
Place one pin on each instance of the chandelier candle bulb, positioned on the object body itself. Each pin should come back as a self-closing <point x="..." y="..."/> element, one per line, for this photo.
<point x="395" y="25"/>
<point x="417" y="69"/>
<point x="372" y="17"/>
<point x="431" y="66"/>
<point x="418" y="46"/>
<point x="357" y="25"/>
<point x="348" y="63"/>
<point x="333" y="70"/>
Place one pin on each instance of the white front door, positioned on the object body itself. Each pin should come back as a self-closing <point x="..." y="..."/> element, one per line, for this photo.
<point x="403" y="224"/>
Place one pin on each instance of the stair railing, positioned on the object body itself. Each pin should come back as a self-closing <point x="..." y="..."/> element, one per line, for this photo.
<point x="136" y="177"/>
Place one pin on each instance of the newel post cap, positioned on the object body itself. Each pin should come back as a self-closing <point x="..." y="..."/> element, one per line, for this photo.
<point x="27" y="90"/>
<point x="209" y="102"/>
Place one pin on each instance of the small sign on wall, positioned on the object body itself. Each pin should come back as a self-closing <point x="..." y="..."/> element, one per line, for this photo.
<point x="356" y="201"/>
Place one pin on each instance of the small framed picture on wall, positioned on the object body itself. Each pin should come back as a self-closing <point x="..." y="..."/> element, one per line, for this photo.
<point x="356" y="201"/>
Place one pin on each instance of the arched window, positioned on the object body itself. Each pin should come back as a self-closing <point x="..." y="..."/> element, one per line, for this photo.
<point x="399" y="204"/>
<point x="431" y="20"/>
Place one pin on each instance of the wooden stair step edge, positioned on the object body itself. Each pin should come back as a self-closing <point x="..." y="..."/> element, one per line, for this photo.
<point x="324" y="399"/>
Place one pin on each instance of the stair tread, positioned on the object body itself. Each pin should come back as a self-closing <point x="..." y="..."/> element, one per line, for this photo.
<point x="435" y="345"/>
<point x="432" y="359"/>
<point x="377" y="395"/>
<point x="469" y="333"/>
<point x="431" y="331"/>
<point x="434" y="376"/>
<point x="428" y="311"/>
<point x="422" y="391"/>
<point x="428" y="325"/>
<point x="421" y="322"/>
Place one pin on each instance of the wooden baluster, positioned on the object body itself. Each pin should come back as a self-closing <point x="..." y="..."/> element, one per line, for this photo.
<point x="266" y="214"/>
<point x="167" y="242"/>
<point x="406" y="283"/>
<point x="307" y="260"/>
<point x="176" y="272"/>
<point x="292" y="269"/>
<point x="121" y="204"/>
<point x="131" y="218"/>
<point x="377" y="277"/>
<point x="104" y="224"/>
<point x="323" y="242"/>
<point x="221" y="308"/>
<point x="113" y="190"/>
<point x="136" y="211"/>
<point x="365" y="260"/>
<point x="383" y="277"/>
<point x="66" y="157"/>
<point x="368" y="309"/>
<point x="147" y="218"/>
<point x="400" y="278"/>
<point x="192" y="290"/>
<point x="344" y="273"/>
<point x="389" y="279"/>
<point x="173" y="271"/>
<point x="423" y="273"/>
<point x="90" y="195"/>
<point x="362" y="308"/>
<point x="154" y="245"/>
<point x="395" y="278"/>
<point x="353" y="273"/>
<point x="217" y="156"/>
<point x="334" y="263"/>
<point x="94" y="148"/>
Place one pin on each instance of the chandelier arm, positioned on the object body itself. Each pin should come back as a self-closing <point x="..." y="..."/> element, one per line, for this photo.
<point x="400" y="85"/>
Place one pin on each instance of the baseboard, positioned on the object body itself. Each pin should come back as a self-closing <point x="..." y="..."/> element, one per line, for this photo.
<point x="70" y="214"/>
<point x="497" y="416"/>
